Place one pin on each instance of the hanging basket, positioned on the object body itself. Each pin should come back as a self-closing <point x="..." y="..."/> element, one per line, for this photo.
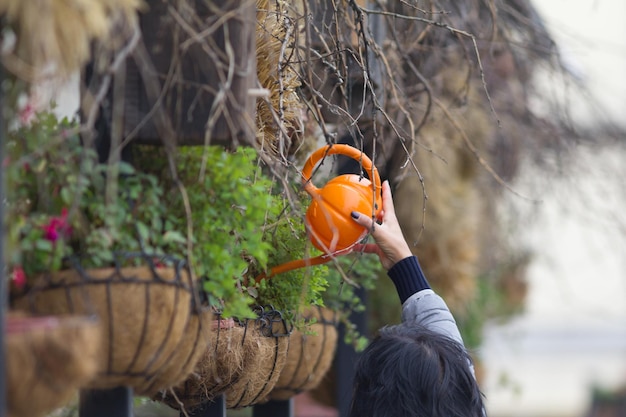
<point x="265" y="343"/>
<point x="243" y="363"/>
<point x="310" y="355"/>
<point x="47" y="360"/>
<point x="144" y="310"/>
<point x="183" y="360"/>
<point x="211" y="375"/>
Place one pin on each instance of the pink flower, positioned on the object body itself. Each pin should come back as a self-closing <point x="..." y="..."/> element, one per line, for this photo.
<point x="56" y="225"/>
<point x="18" y="277"/>
<point x="27" y="113"/>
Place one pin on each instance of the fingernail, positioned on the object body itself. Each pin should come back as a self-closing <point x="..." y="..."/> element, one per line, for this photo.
<point x="354" y="215"/>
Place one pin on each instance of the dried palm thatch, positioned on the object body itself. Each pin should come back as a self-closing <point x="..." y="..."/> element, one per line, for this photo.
<point x="278" y="117"/>
<point x="48" y="360"/>
<point x="55" y="35"/>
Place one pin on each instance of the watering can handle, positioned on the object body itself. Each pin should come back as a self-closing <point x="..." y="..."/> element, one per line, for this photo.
<point x="340" y="149"/>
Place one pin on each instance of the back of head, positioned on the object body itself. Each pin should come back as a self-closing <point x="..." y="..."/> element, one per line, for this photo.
<point x="409" y="371"/>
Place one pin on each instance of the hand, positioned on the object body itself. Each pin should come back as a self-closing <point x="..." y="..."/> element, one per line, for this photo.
<point x="390" y="245"/>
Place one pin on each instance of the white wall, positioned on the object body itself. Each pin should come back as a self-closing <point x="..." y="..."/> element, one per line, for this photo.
<point x="573" y="334"/>
<point x="591" y="35"/>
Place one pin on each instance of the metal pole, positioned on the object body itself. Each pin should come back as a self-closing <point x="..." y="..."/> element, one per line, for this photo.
<point x="215" y="408"/>
<point x="274" y="409"/>
<point x="3" y="282"/>
<point x="116" y="402"/>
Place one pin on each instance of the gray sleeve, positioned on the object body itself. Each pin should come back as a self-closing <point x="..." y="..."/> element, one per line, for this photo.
<point x="430" y="310"/>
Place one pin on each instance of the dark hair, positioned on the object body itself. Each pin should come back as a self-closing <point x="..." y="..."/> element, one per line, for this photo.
<point x="411" y="371"/>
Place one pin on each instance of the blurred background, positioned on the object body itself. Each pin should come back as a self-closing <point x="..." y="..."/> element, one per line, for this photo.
<point x="565" y="355"/>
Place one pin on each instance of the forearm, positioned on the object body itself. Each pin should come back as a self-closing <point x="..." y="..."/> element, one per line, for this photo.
<point x="408" y="277"/>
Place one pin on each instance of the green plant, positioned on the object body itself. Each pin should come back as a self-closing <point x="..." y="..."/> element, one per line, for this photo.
<point x="229" y="198"/>
<point x="242" y="225"/>
<point x="62" y="202"/>
<point x="335" y="285"/>
<point x="231" y="223"/>
<point x="220" y="198"/>
<point x="293" y="291"/>
<point x="350" y="274"/>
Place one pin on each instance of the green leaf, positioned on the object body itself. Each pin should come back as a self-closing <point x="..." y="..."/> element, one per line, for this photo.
<point x="253" y="292"/>
<point x="173" y="236"/>
<point x="125" y="168"/>
<point x="143" y="230"/>
<point x="66" y="195"/>
<point x="44" y="245"/>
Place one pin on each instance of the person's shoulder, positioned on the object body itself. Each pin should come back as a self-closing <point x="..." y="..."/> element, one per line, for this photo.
<point x="428" y="309"/>
<point x="425" y="303"/>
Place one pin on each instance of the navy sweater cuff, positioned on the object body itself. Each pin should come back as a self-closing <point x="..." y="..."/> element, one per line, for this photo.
<point x="408" y="277"/>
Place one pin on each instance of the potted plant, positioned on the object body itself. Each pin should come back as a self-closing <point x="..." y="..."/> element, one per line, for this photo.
<point x="243" y="223"/>
<point x="93" y="238"/>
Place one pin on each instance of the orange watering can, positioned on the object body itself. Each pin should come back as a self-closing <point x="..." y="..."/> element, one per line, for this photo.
<point x="328" y="220"/>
